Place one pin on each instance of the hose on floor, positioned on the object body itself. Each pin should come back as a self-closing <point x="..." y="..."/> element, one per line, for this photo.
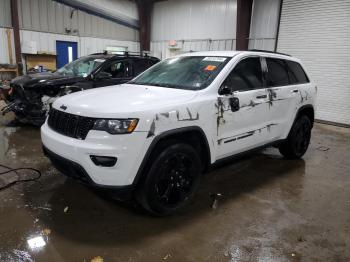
<point x="15" y="170"/>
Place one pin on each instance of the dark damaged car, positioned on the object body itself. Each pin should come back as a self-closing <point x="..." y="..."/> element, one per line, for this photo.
<point x="30" y="96"/>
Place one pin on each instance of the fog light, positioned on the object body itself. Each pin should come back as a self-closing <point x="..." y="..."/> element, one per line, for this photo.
<point x="104" y="160"/>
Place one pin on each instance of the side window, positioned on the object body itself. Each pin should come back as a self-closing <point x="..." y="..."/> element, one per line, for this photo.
<point x="296" y="73"/>
<point x="140" y="65"/>
<point x="116" y="69"/>
<point x="277" y="72"/>
<point x="246" y="75"/>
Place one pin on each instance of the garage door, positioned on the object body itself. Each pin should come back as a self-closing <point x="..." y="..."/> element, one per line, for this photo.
<point x="318" y="32"/>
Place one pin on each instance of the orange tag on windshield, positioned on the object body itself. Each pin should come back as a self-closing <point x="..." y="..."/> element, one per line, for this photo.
<point x="209" y="68"/>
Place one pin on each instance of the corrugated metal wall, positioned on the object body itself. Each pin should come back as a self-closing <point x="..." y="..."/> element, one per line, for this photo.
<point x="264" y="23"/>
<point x="318" y="32"/>
<point x="5" y="13"/>
<point x="195" y="24"/>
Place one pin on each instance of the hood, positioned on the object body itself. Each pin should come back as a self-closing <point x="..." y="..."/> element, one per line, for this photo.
<point x="43" y="79"/>
<point x="123" y="100"/>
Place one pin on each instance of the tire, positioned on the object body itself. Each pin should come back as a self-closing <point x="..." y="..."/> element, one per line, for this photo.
<point x="172" y="180"/>
<point x="298" y="139"/>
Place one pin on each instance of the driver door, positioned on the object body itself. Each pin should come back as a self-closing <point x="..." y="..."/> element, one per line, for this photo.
<point x="115" y="73"/>
<point x="242" y="109"/>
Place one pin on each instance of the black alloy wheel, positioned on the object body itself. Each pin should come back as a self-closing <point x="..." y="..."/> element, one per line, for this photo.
<point x="298" y="139"/>
<point x="172" y="179"/>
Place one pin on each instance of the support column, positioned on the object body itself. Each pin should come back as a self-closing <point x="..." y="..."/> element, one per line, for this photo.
<point x="244" y="13"/>
<point x="145" y="8"/>
<point x="16" y="35"/>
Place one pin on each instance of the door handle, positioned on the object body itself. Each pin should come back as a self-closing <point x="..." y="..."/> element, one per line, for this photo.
<point x="262" y="96"/>
<point x="295" y="91"/>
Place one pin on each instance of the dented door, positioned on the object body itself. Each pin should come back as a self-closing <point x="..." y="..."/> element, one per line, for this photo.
<point x="245" y="128"/>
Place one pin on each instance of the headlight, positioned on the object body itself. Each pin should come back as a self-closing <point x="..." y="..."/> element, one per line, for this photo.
<point x="116" y="126"/>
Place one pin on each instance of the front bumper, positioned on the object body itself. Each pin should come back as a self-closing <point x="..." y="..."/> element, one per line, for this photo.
<point x="72" y="156"/>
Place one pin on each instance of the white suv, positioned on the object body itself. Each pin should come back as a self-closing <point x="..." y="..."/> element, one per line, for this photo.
<point x="157" y="134"/>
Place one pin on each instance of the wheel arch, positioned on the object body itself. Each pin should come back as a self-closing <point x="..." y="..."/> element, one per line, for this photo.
<point x="193" y="135"/>
<point x="307" y="110"/>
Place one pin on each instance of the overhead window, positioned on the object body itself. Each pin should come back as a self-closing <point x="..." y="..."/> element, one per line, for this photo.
<point x="296" y="73"/>
<point x="277" y="72"/>
<point x="247" y="75"/>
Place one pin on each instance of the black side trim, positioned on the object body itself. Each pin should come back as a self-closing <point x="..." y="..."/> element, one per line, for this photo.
<point x="163" y="136"/>
<point x="239" y="155"/>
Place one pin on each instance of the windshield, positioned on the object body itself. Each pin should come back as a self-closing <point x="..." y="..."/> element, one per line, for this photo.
<point x="80" y="67"/>
<point x="185" y="72"/>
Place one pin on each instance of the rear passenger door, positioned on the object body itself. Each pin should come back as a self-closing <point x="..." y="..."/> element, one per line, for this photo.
<point x="283" y="91"/>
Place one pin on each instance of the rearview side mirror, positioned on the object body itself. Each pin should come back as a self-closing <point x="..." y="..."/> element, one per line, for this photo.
<point x="234" y="103"/>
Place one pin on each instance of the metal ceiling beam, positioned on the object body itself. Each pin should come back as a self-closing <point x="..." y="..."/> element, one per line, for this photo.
<point x="93" y="10"/>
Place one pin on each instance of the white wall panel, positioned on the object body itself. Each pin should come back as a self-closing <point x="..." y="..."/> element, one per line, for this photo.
<point x="89" y="45"/>
<point x="264" y="23"/>
<point x="318" y="32"/>
<point x="4" y="55"/>
<point x="162" y="50"/>
<point x="194" y="19"/>
<point x="197" y="25"/>
<point x="46" y="42"/>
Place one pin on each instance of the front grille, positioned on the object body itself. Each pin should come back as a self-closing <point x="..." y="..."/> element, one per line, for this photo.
<point x="69" y="124"/>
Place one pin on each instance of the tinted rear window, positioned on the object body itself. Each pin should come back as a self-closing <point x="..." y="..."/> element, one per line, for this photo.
<point x="277" y="72"/>
<point x="296" y="73"/>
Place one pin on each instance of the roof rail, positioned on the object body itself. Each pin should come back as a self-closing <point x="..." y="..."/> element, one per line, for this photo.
<point x="98" y="53"/>
<point x="266" y="51"/>
<point x="126" y="53"/>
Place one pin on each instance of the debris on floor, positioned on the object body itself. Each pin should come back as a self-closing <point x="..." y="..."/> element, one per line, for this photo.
<point x="97" y="259"/>
<point x="65" y="210"/>
<point x="167" y="256"/>
<point x="322" y="148"/>
<point x="45" y="208"/>
<point x="301" y="239"/>
<point x="46" y="231"/>
<point x="215" y="199"/>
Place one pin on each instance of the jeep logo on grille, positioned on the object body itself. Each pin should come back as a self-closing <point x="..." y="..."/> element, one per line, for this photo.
<point x="63" y="107"/>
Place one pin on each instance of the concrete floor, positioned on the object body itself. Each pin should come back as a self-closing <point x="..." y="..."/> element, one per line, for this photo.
<point x="271" y="210"/>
